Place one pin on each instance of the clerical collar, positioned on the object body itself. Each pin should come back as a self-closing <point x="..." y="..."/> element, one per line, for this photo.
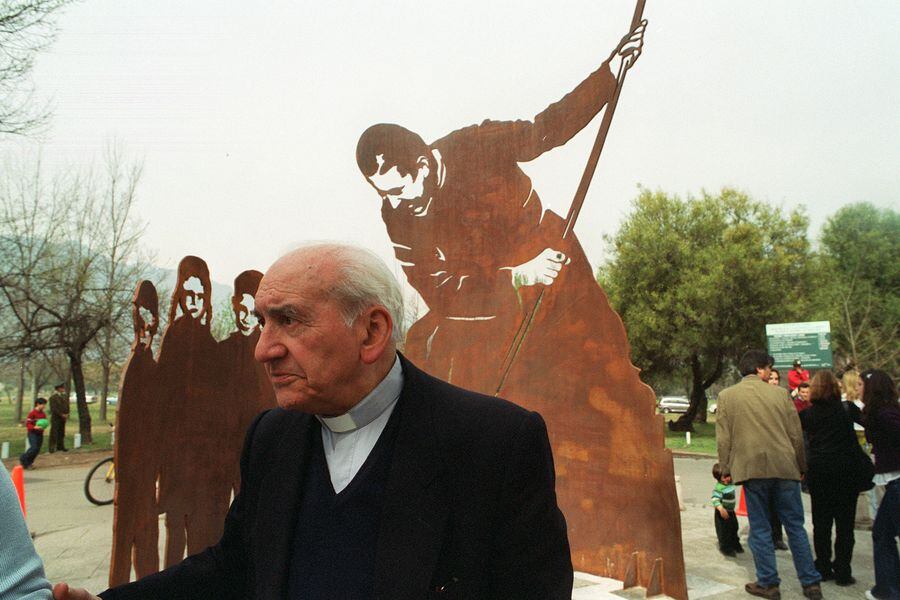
<point x="369" y="408"/>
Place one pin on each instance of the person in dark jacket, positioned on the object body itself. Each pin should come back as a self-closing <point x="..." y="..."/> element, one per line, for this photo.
<point x="59" y="414"/>
<point x="830" y="476"/>
<point x="881" y="416"/>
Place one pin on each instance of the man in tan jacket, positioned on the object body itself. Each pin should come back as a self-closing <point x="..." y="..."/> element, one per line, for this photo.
<point x="760" y="444"/>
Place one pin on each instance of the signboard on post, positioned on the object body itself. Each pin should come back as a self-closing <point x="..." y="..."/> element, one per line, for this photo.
<point x="810" y="342"/>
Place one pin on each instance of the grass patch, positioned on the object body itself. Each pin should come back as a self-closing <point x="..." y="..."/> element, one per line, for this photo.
<point x="703" y="440"/>
<point x="15" y="433"/>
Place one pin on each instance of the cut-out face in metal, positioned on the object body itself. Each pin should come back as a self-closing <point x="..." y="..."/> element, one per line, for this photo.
<point x="145" y="313"/>
<point x="192" y="294"/>
<point x="396" y="187"/>
<point x="243" y="303"/>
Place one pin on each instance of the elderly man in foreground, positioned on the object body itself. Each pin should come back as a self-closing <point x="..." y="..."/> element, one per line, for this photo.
<point x="372" y="479"/>
<point x="760" y="445"/>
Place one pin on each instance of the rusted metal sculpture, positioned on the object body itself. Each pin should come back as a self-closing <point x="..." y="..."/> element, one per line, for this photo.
<point x="514" y="310"/>
<point x="138" y="419"/>
<point x="193" y="493"/>
<point x="245" y="385"/>
<point x="181" y="422"/>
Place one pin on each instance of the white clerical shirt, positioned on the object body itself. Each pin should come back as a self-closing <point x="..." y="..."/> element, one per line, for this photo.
<point x="349" y="438"/>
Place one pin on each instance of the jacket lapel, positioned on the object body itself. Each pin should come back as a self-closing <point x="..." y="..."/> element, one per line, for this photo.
<point x="279" y="498"/>
<point x="415" y="507"/>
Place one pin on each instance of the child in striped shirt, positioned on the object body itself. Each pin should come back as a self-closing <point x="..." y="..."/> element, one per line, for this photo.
<point x="723" y="501"/>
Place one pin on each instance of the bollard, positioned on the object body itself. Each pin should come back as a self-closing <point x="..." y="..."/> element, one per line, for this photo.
<point x="112" y="438"/>
<point x="687" y="438"/>
<point x="76" y="441"/>
<point x="678" y="493"/>
<point x="4" y="450"/>
<point x="18" y="478"/>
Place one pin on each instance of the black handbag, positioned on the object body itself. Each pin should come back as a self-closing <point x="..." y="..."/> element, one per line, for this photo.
<point x="863" y="470"/>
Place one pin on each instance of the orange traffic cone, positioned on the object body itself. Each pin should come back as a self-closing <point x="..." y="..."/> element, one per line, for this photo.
<point x="742" y="506"/>
<point x="18" y="478"/>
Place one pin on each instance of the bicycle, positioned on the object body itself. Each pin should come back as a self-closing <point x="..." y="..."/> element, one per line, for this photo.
<point x="100" y="483"/>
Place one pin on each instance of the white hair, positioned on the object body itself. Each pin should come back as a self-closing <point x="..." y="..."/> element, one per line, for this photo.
<point x="363" y="281"/>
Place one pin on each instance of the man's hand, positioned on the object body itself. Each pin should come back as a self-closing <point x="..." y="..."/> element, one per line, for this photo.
<point x="543" y="268"/>
<point x="628" y="50"/>
<point x="722" y="512"/>
<point x="62" y="591"/>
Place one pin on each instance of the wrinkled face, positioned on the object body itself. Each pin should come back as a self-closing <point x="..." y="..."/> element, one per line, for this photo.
<point x="398" y="189"/>
<point x="311" y="355"/>
<point x="803" y="393"/>
<point x="194" y="296"/>
<point x="774" y="378"/>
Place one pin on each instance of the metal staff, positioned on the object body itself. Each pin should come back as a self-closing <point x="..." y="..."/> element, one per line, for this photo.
<point x="577" y="202"/>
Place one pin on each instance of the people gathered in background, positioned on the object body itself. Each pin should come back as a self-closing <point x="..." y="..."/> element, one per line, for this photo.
<point x="801" y="399"/>
<point x="775" y="377"/>
<point x="35" y="423"/>
<point x="831" y="476"/>
<point x="774" y="521"/>
<point x="881" y="416"/>
<point x="797" y="375"/>
<point x="723" y="501"/>
<point x="852" y="394"/>
<point x="760" y="444"/>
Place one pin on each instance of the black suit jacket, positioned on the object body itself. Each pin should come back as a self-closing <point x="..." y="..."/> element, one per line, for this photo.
<point x="470" y="507"/>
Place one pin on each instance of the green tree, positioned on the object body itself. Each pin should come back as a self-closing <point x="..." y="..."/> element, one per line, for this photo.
<point x="859" y="285"/>
<point x="696" y="280"/>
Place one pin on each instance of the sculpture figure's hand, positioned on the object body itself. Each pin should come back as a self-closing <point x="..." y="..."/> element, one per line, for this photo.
<point x="62" y="591"/>
<point x="543" y="268"/>
<point x="628" y="50"/>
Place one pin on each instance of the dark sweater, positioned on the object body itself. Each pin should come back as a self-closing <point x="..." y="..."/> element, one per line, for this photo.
<point x="336" y="535"/>
<point x="883" y="432"/>
<point x="831" y="437"/>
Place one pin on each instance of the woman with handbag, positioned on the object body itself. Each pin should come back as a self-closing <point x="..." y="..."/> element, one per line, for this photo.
<point x="834" y="474"/>
<point x="881" y="416"/>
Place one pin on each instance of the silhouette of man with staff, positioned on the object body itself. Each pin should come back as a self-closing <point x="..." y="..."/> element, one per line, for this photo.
<point x="469" y="229"/>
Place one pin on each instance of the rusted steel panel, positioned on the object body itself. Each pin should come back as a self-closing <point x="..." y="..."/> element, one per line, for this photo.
<point x="514" y="310"/>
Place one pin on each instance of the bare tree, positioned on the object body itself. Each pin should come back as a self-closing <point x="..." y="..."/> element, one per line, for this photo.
<point x="85" y="237"/>
<point x="123" y="265"/>
<point x="28" y="233"/>
<point x="26" y="28"/>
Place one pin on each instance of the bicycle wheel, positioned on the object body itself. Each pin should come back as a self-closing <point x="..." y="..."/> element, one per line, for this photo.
<point x="100" y="484"/>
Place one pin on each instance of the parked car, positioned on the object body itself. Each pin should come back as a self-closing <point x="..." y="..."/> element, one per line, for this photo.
<point x="673" y="404"/>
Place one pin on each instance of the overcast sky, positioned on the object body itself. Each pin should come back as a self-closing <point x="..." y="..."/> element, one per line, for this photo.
<point x="246" y="115"/>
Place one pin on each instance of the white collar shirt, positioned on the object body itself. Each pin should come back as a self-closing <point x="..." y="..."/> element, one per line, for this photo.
<point x="348" y="439"/>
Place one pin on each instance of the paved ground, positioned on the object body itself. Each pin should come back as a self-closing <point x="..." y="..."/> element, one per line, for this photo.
<point x="74" y="537"/>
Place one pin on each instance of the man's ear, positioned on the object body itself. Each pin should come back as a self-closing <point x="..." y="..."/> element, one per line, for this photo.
<point x="375" y="329"/>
